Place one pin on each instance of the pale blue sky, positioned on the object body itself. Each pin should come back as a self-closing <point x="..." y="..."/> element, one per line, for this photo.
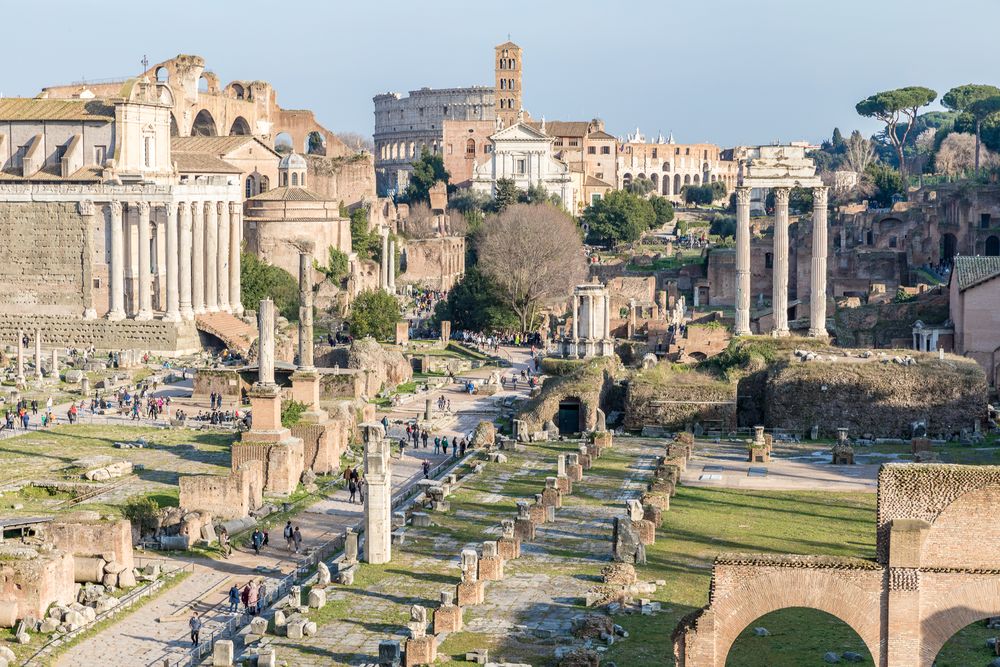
<point x="723" y="71"/>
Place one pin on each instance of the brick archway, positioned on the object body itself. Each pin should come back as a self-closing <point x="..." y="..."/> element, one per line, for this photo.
<point x="972" y="599"/>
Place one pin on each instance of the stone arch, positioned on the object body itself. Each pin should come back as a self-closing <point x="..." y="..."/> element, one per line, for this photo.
<point x="412" y="150"/>
<point x="240" y="127"/>
<point x="204" y="125"/>
<point x="785" y="588"/>
<point x="697" y="179"/>
<point x="174" y="131"/>
<point x="784" y="622"/>
<point x="666" y="166"/>
<point x="283" y="142"/>
<point x="626" y="180"/>
<point x="315" y="144"/>
<point x="687" y="179"/>
<point x="655" y="178"/>
<point x="666" y="185"/>
<point x="238" y="91"/>
<point x="992" y="247"/>
<point x="162" y="74"/>
<point x="203" y="84"/>
<point x="950" y="612"/>
<point x="470" y="147"/>
<point x="677" y="183"/>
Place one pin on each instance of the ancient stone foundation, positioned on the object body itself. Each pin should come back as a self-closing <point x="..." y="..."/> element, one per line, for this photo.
<point x="231" y="496"/>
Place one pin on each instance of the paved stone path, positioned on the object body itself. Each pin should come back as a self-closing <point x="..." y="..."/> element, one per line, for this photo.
<point x="139" y="639"/>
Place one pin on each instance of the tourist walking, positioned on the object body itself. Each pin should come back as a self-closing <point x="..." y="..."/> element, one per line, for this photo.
<point x="245" y="598"/>
<point x="297" y="536"/>
<point x="423" y="436"/>
<point x="257" y="539"/>
<point x="352" y="488"/>
<point x="444" y="445"/>
<point x="437" y="445"/>
<point x="252" y="598"/>
<point x="427" y="468"/>
<point x="288" y="535"/>
<point x="195" y="624"/>
<point x="234" y="598"/>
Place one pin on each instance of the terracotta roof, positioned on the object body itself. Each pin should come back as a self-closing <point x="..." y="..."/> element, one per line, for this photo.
<point x="31" y="108"/>
<point x="972" y="270"/>
<point x="593" y="182"/>
<point x="601" y="134"/>
<point x="214" y="145"/>
<point x="48" y="174"/>
<point x="202" y="163"/>
<point x="562" y="128"/>
<point x="287" y="194"/>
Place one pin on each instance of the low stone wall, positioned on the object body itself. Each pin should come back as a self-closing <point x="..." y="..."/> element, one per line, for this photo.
<point x="156" y="336"/>
<point x="94" y="538"/>
<point x="30" y="584"/>
<point x="680" y="401"/>
<point x="227" y="382"/>
<point x="230" y="496"/>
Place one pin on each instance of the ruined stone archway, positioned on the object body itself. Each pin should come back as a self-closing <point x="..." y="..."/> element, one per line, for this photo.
<point x="626" y="180"/>
<point x="949" y="246"/>
<point x="283" y="142"/>
<point x="315" y="144"/>
<point x="796" y="636"/>
<point x="240" y="127"/>
<point x="174" y="131"/>
<point x="204" y="125"/>
<point x="953" y="610"/>
<point x="992" y="248"/>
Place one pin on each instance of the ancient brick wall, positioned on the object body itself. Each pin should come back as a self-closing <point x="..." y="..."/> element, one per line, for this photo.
<point x="871" y="397"/>
<point x="350" y="180"/>
<point x="229" y="496"/>
<point x="28" y="587"/>
<point x="677" y="405"/>
<point x="73" y="331"/>
<point x="43" y="258"/>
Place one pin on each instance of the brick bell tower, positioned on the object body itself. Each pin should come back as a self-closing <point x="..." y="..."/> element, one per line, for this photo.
<point x="508" y="64"/>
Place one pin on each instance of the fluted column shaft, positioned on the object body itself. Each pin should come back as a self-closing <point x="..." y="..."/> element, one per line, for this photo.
<point x="38" y="354"/>
<point x="212" y="257"/>
<point x="576" y="317"/>
<point x="116" y="280"/>
<point x="20" y="356"/>
<point x="265" y="342"/>
<point x="235" y="241"/>
<point x="145" y="275"/>
<point x="198" y="259"/>
<point x="224" y="243"/>
<point x="742" y="327"/>
<point x="607" y="316"/>
<point x="305" y="310"/>
<point x="817" y="282"/>
<point x="184" y="279"/>
<point x="173" y="313"/>
<point x="780" y="275"/>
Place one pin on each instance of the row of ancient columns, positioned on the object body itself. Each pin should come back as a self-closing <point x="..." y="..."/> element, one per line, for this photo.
<point x="589" y="329"/>
<point x="817" y="302"/>
<point x="387" y="265"/>
<point x="203" y="242"/>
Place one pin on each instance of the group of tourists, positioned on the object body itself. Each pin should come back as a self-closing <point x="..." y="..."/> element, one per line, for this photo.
<point x="215" y="400"/>
<point x="356" y="485"/>
<point x="418" y="437"/>
<point x="252" y="596"/>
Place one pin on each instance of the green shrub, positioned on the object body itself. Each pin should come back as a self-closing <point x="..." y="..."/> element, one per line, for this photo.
<point x="553" y="366"/>
<point x="291" y="412"/>
<point x="142" y="511"/>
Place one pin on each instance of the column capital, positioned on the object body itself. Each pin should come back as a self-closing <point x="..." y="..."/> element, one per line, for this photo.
<point x="820" y="196"/>
<point x="170" y="206"/>
<point x="743" y="194"/>
<point x="116" y="207"/>
<point x="781" y="195"/>
<point x="235" y="208"/>
<point x="220" y="207"/>
<point x="143" y="208"/>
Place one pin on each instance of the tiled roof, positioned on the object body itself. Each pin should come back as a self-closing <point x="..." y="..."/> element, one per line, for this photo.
<point x="593" y="182"/>
<point x="213" y="145"/>
<point x="562" y="128"/>
<point x="972" y="270"/>
<point x="202" y="163"/>
<point x="287" y="194"/>
<point x="31" y="108"/>
<point x="89" y="173"/>
<point x="600" y="134"/>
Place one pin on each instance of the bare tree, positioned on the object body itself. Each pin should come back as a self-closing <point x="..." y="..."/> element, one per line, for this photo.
<point x="356" y="141"/>
<point x="860" y="152"/>
<point x="533" y="252"/>
<point x="420" y="223"/>
<point x="957" y="154"/>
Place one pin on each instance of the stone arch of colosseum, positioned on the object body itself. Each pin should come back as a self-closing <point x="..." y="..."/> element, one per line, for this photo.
<point x="935" y="572"/>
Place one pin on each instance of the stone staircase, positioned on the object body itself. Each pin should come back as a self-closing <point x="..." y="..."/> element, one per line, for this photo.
<point x="236" y="334"/>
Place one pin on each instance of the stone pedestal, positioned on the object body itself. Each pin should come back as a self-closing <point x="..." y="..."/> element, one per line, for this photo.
<point x="490" y="563"/>
<point x="646" y="530"/>
<point x="524" y="529"/>
<point x="564" y="484"/>
<point x="470" y="593"/>
<point x="402" y="332"/>
<point x="422" y="651"/>
<point x="551" y="495"/>
<point x="445" y="331"/>
<point x="447" y="619"/>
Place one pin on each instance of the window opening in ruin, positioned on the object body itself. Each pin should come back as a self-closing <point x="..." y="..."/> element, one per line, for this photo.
<point x="984" y="221"/>
<point x="992" y="246"/>
<point x="162" y="75"/>
<point x="470" y="148"/>
<point x="591" y="150"/>
<point x="768" y="260"/>
<point x="203" y="85"/>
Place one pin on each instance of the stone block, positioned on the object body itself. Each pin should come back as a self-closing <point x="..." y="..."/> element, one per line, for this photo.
<point x="317" y="598"/>
<point x="470" y="593"/>
<point x="564" y="484"/>
<point x="421" y="519"/>
<point x="574" y="471"/>
<point x="524" y="529"/>
<point x="491" y="568"/>
<point x="422" y="651"/>
<point x="322" y="574"/>
<point x="509" y="548"/>
<point x="222" y="653"/>
<point x="646" y="530"/>
<point x="536" y="513"/>
<point x="258" y="626"/>
<point x="267" y="658"/>
<point x="447" y="619"/>
<point x="390" y="653"/>
<point x="295" y="629"/>
<point x="310" y="628"/>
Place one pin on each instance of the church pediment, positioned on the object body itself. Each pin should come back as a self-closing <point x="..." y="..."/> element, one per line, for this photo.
<point x="520" y="132"/>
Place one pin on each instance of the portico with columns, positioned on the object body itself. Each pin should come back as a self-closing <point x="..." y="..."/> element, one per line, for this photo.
<point x="780" y="168"/>
<point x="590" y="335"/>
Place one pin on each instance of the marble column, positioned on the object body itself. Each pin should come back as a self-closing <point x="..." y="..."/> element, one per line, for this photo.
<point x="184" y="279"/>
<point x="378" y="501"/>
<point x="265" y="342"/>
<point x="305" y="310"/>
<point x="817" y="281"/>
<point x="20" y="356"/>
<point x="145" y="275"/>
<point x="390" y="270"/>
<point x="198" y="258"/>
<point x="607" y="316"/>
<point x="224" y="243"/>
<point x="590" y="316"/>
<point x="235" y="241"/>
<point x="116" y="278"/>
<point x="385" y="267"/>
<point x="742" y="327"/>
<point x="779" y="294"/>
<point x="212" y="257"/>
<point x="38" y="354"/>
<point x="173" y="313"/>
<point x="55" y="364"/>
<point x="576" y="318"/>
